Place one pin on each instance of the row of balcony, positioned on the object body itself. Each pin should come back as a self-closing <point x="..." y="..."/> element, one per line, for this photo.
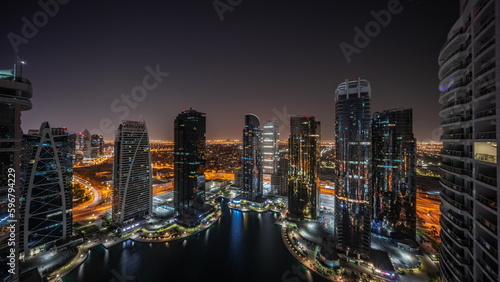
<point x="486" y="223"/>
<point x="457" y="222"/>
<point x="485" y="158"/>
<point x="460" y="258"/>
<point x="459" y="239"/>
<point x="485" y="69"/>
<point x="447" y="263"/>
<point x="462" y="48"/>
<point x="489" y="270"/>
<point x="485" y="46"/>
<point x="456" y="170"/>
<point x="457" y="187"/>
<point x="463" y="65"/>
<point x="487" y="179"/>
<point x="485" y="25"/>
<point x="457" y="153"/>
<point x="456" y="136"/>
<point x="480" y="136"/>
<point x="485" y="90"/>
<point x="492" y="250"/>
<point x="486" y="135"/>
<point x="455" y="119"/>
<point x="487" y="201"/>
<point x="486" y="113"/>
<point x="456" y="85"/>
<point x="460" y="101"/>
<point x="455" y="203"/>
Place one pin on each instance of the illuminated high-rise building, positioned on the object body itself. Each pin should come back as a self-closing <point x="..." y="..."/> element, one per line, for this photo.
<point x="87" y="146"/>
<point x="189" y="163"/>
<point x="353" y="191"/>
<point x="15" y="92"/>
<point x="132" y="173"/>
<point x="269" y="147"/>
<point x="470" y="218"/>
<point x="46" y="198"/>
<point x="393" y="174"/>
<point x="303" y="175"/>
<point x="252" y="158"/>
<point x="96" y="146"/>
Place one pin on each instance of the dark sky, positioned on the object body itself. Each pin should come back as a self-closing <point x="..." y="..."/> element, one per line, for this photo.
<point x="271" y="58"/>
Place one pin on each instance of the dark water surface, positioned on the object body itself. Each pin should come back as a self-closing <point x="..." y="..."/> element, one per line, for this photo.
<point x="239" y="247"/>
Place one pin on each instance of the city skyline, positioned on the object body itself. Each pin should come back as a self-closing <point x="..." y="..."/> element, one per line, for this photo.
<point x="287" y="56"/>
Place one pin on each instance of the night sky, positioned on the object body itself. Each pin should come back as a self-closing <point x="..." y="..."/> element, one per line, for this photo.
<point x="270" y="58"/>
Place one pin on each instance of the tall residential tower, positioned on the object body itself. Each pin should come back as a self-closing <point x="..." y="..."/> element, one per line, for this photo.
<point x="269" y="147"/>
<point x="15" y="92"/>
<point x="303" y="177"/>
<point x="353" y="191"/>
<point x="252" y="158"/>
<point x="46" y="198"/>
<point x="393" y="174"/>
<point x="470" y="217"/>
<point x="132" y="173"/>
<point x="189" y="162"/>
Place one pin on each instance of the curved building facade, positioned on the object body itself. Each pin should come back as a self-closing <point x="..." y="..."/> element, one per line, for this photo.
<point x="469" y="210"/>
<point x="252" y="158"/>
<point x="132" y="173"/>
<point x="353" y="190"/>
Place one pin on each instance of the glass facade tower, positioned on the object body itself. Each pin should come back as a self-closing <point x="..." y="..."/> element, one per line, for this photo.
<point x="46" y="198"/>
<point x="353" y="190"/>
<point x="303" y="174"/>
<point x="189" y="164"/>
<point x="15" y="92"/>
<point x="393" y="174"/>
<point x="252" y="158"/>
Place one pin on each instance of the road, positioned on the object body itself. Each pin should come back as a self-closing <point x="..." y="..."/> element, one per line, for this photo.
<point x="428" y="210"/>
<point x="89" y="208"/>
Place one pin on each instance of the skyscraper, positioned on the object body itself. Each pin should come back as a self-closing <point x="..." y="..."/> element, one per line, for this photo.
<point x="303" y="178"/>
<point x="87" y="147"/>
<point x="269" y="147"/>
<point x="15" y="92"/>
<point x="393" y="174"/>
<point x="353" y="191"/>
<point x="46" y="173"/>
<point x="96" y="146"/>
<point x="132" y="173"/>
<point x="252" y="158"/>
<point x="469" y="210"/>
<point x="189" y="162"/>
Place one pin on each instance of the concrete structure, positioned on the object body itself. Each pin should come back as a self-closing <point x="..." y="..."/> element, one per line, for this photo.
<point x="469" y="211"/>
